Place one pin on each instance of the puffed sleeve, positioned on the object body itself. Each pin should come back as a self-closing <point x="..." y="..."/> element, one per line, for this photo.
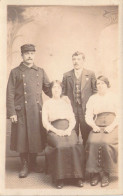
<point x="90" y="111"/>
<point x="45" y="116"/>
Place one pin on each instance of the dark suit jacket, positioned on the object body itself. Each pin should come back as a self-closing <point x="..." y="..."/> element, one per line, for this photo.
<point x="88" y="86"/>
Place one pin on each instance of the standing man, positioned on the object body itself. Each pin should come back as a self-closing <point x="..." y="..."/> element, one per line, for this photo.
<point x="79" y="85"/>
<point x="24" y="104"/>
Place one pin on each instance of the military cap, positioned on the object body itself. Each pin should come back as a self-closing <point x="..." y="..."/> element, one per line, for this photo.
<point x="27" y="47"/>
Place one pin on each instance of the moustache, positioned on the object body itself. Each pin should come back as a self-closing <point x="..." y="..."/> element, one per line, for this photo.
<point x="29" y="59"/>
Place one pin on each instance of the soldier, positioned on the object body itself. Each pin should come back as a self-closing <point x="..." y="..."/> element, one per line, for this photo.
<point x="79" y="84"/>
<point x="24" y="105"/>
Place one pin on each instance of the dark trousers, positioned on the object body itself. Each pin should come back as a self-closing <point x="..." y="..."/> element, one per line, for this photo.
<point x="80" y="123"/>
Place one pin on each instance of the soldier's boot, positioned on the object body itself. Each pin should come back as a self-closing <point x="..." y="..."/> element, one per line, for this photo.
<point x="33" y="163"/>
<point x="24" y="167"/>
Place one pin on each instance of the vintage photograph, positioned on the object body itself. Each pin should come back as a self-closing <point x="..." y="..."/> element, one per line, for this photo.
<point x="62" y="97"/>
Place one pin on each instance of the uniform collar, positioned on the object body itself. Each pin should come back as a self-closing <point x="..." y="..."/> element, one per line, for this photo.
<point x="23" y="67"/>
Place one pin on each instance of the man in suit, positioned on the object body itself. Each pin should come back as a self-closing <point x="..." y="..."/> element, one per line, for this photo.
<point x="24" y="105"/>
<point x="79" y="84"/>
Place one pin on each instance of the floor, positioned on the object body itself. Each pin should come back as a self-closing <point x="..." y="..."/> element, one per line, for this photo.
<point x="40" y="180"/>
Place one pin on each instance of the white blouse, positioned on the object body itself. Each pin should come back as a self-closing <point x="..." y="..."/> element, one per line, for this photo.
<point x="57" y="109"/>
<point x="98" y="104"/>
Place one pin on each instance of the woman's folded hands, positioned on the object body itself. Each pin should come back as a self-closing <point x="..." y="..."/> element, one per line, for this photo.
<point x="96" y="129"/>
<point x="66" y="132"/>
<point x="108" y="129"/>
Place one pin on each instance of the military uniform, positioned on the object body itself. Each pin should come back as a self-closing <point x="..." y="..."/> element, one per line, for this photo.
<point x="24" y="99"/>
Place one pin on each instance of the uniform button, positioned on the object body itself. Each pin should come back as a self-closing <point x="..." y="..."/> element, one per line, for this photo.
<point x="23" y="75"/>
<point x="100" y="147"/>
<point x="25" y="93"/>
<point x="25" y="101"/>
<point x="37" y="101"/>
<point x="24" y="84"/>
<point x="40" y="111"/>
<point x="38" y="83"/>
<point x="37" y="75"/>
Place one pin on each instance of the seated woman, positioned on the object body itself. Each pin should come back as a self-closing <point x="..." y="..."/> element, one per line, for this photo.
<point x="102" y="144"/>
<point x="64" y="152"/>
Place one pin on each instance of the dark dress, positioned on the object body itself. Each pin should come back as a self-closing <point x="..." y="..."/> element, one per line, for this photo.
<point x="64" y="155"/>
<point x="102" y="148"/>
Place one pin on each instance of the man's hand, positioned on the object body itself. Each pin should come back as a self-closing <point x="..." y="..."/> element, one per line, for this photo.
<point x="13" y="118"/>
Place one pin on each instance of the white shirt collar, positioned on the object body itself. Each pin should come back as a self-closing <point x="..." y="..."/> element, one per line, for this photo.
<point x="78" y="72"/>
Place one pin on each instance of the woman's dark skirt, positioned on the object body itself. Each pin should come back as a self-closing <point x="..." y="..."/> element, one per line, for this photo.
<point x="64" y="155"/>
<point x="102" y="148"/>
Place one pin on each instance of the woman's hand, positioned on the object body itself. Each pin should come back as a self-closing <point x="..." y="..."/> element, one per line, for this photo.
<point x="67" y="132"/>
<point x="62" y="133"/>
<point x="108" y="129"/>
<point x="96" y="129"/>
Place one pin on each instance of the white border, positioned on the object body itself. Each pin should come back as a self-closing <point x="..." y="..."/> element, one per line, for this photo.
<point x="3" y="70"/>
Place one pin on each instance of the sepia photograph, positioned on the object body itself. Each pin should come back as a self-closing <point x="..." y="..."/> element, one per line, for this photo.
<point x="61" y="103"/>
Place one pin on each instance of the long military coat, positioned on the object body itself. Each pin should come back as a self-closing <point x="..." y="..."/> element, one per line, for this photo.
<point x="24" y="99"/>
